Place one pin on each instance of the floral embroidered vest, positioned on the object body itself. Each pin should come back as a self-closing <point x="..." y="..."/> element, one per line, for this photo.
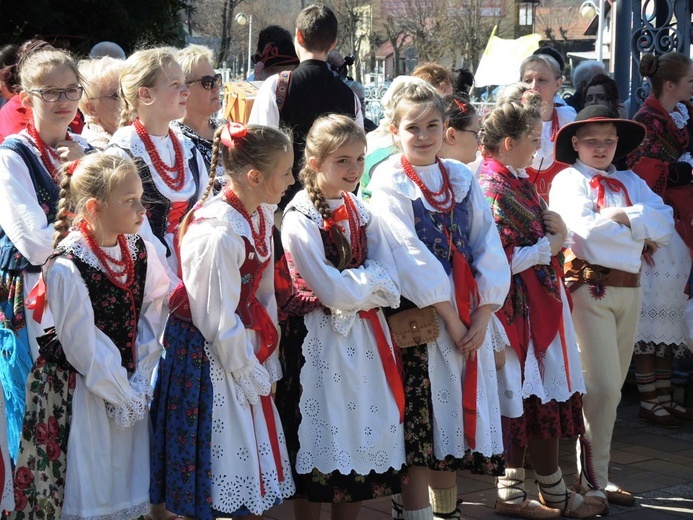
<point x="116" y="310"/>
<point x="47" y="193"/>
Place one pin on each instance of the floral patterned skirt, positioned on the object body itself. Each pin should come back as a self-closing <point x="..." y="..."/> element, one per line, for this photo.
<point x="552" y="420"/>
<point x="39" y="480"/>
<point x="333" y="487"/>
<point x="418" y="422"/>
<point x="181" y="412"/>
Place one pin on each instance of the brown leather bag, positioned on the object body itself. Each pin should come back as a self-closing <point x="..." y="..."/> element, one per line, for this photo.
<point x="414" y="327"/>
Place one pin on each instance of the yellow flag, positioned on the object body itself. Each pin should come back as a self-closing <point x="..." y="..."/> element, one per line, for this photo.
<point x="500" y="63"/>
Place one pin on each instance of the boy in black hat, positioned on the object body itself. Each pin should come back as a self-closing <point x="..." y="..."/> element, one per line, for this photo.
<point x="614" y="217"/>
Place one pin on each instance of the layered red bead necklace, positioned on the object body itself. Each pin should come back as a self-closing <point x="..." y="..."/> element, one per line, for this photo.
<point x="175" y="183"/>
<point x="433" y="197"/>
<point x="123" y="267"/>
<point x="354" y="226"/>
<point x="48" y="155"/>
<point x="259" y="239"/>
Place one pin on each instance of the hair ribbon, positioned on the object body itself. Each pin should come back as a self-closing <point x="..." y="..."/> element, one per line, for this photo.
<point x="462" y="106"/>
<point x="71" y="168"/>
<point x="232" y="131"/>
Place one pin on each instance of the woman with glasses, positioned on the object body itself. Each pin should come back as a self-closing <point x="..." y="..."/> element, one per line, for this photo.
<point x="204" y="100"/>
<point x="154" y="93"/>
<point x="101" y="102"/>
<point x="29" y="164"/>
<point x="461" y="138"/>
<point x="602" y="90"/>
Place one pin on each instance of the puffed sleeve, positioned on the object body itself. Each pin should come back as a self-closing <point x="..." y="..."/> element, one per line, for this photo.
<point x="491" y="270"/>
<point x="90" y="351"/>
<point x="600" y="240"/>
<point x="22" y="218"/>
<point x="345" y="292"/>
<point x="150" y="325"/>
<point x="265" y="110"/>
<point x="422" y="278"/>
<point x="212" y="255"/>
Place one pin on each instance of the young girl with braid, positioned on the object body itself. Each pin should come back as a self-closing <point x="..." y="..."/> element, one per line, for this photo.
<point x="542" y="363"/>
<point x="85" y="443"/>
<point x="29" y="179"/>
<point x="153" y="94"/>
<point x="218" y="447"/>
<point x="341" y="397"/>
<point x="448" y="256"/>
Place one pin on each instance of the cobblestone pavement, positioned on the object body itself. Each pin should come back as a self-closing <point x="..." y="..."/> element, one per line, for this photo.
<point x="654" y="463"/>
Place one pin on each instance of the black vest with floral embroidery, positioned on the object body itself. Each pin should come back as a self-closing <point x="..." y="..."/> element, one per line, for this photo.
<point x="116" y="310"/>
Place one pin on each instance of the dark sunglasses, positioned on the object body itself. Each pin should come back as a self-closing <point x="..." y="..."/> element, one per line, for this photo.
<point x="207" y="82"/>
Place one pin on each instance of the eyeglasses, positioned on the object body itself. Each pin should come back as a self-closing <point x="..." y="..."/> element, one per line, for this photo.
<point x="477" y="133"/>
<point x="599" y="98"/>
<point x="207" y="82"/>
<point x="52" y="95"/>
<point x="112" y="97"/>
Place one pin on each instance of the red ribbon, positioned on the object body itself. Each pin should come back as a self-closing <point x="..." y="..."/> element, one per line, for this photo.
<point x="269" y="339"/>
<point x="601" y="182"/>
<point x="175" y="215"/>
<point x="392" y="374"/>
<point x="230" y="132"/>
<point x="36" y="300"/>
<point x="466" y="295"/>
<point x="338" y="215"/>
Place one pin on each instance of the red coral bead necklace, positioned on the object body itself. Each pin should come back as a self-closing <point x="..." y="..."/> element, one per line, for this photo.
<point x="123" y="267"/>
<point x="175" y="183"/>
<point x="432" y="197"/>
<point x="259" y="236"/>
<point x="48" y="155"/>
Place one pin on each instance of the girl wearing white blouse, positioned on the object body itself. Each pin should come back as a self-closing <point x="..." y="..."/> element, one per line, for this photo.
<point x="448" y="255"/>
<point x="85" y="443"/>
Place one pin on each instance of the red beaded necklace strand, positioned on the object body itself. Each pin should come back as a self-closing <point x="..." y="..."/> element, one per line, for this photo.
<point x="48" y="155"/>
<point x="432" y="197"/>
<point x="123" y="267"/>
<point x="175" y="183"/>
<point x="354" y="225"/>
<point x="259" y="239"/>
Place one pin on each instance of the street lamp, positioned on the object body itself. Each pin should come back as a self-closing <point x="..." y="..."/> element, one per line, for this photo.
<point x="242" y="19"/>
<point x="589" y="9"/>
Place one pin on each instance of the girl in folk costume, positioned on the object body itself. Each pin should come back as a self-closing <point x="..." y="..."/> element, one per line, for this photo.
<point x="154" y="93"/>
<point x="29" y="179"/>
<point x="85" y="442"/>
<point x="461" y="138"/>
<point x="543" y="365"/>
<point x="336" y="341"/>
<point x="449" y="256"/>
<point x="543" y="74"/>
<point x="664" y="161"/>
<point x="218" y="447"/>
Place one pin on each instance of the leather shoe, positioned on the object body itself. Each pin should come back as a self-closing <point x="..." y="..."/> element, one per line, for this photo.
<point x="528" y="509"/>
<point x="618" y="496"/>
<point x="665" y="421"/>
<point x="684" y="414"/>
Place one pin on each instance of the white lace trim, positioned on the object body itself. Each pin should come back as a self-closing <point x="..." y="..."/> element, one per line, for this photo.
<point x="343" y="319"/>
<point x="679" y="115"/>
<point x="124" y="514"/>
<point x="543" y="249"/>
<point x="136" y="407"/>
<point x="273" y="367"/>
<point x="128" y="139"/>
<point x="499" y="338"/>
<point x="251" y="382"/>
<point x="687" y="158"/>
<point x="302" y="203"/>
<point x="238" y="491"/>
<point x="460" y="179"/>
<point x="76" y="244"/>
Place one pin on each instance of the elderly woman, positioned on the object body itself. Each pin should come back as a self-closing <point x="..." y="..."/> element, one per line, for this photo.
<point x="101" y="103"/>
<point x="204" y="99"/>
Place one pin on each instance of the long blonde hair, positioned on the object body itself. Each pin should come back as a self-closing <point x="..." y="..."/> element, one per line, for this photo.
<point x="327" y="135"/>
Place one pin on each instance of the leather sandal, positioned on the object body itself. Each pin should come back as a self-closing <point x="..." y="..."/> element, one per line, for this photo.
<point x="683" y="414"/>
<point x="665" y="421"/>
<point x="619" y="496"/>
<point x="578" y="488"/>
<point x="530" y="509"/>
<point x="589" y="508"/>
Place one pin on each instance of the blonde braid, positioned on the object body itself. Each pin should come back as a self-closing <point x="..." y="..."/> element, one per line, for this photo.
<point x="317" y="197"/>
<point x="63" y="218"/>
